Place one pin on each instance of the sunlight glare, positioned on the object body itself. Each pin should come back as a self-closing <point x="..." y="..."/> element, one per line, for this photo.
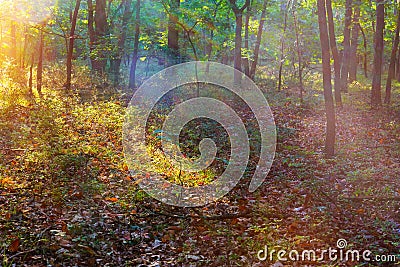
<point x="35" y="11"/>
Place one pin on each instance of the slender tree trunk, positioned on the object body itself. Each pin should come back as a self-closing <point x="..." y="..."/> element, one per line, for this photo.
<point x="39" y="72"/>
<point x="398" y="66"/>
<point x="238" y="36"/>
<point x="365" y="63"/>
<point x="376" y="99"/>
<point x="132" y="74"/>
<point x="30" y="83"/>
<point x="335" y="54"/>
<point x="282" y="57"/>
<point x="100" y="19"/>
<point x="354" y="43"/>
<point x="238" y="43"/>
<point x="246" y="64"/>
<point x="392" y="64"/>
<point x="71" y="45"/>
<point x="173" y="32"/>
<point x="326" y="69"/>
<point x="346" y="47"/>
<point x="299" y="56"/>
<point x="258" y="41"/>
<point x="121" y="40"/>
<point x="97" y="26"/>
<point x="92" y="34"/>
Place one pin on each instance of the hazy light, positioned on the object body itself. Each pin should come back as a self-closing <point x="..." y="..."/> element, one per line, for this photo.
<point x="34" y="11"/>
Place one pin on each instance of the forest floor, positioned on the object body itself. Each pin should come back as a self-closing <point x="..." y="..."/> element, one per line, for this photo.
<point x="67" y="199"/>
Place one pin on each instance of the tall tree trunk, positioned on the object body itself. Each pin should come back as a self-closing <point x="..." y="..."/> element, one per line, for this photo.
<point x="282" y="57"/>
<point x="209" y="41"/>
<point x="397" y="68"/>
<point x="354" y="43"/>
<point x="132" y="74"/>
<point x="376" y="99"/>
<point x="91" y="32"/>
<point x="121" y="41"/>
<point x="246" y="64"/>
<point x="97" y="26"/>
<point x="23" y="52"/>
<point x="392" y="64"/>
<point x="258" y="41"/>
<point x="326" y="70"/>
<point x="71" y="45"/>
<point x="173" y="32"/>
<point x="39" y="72"/>
<point x="100" y="19"/>
<point x="238" y="35"/>
<point x="344" y="72"/>
<point x="299" y="56"/>
<point x="365" y="61"/>
<point x="335" y="54"/>
<point x="30" y="82"/>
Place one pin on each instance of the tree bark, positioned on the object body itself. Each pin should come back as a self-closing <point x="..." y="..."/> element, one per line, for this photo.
<point x="121" y="41"/>
<point x="246" y="64"/>
<point x="97" y="27"/>
<point x="258" y="41"/>
<point x="132" y="74"/>
<point x="238" y="34"/>
<point x="299" y="55"/>
<point x="100" y="19"/>
<point x="23" y="51"/>
<point x="335" y="54"/>
<point x="92" y="35"/>
<point x="365" y="63"/>
<point x="376" y="99"/>
<point x="282" y="57"/>
<point x="173" y="32"/>
<point x="354" y="43"/>
<point x="30" y="82"/>
<point x="344" y="72"/>
<point x="39" y="71"/>
<point x="71" y="45"/>
<point x="392" y="64"/>
<point x="326" y="70"/>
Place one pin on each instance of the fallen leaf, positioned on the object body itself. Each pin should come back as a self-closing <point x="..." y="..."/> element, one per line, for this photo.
<point x="13" y="247"/>
<point x="111" y="199"/>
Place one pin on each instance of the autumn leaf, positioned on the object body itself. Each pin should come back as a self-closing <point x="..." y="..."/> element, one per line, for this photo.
<point x="111" y="199"/>
<point x="14" y="245"/>
<point x="64" y="227"/>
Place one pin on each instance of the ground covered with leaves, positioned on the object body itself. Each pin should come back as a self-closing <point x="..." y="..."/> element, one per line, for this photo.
<point x="68" y="199"/>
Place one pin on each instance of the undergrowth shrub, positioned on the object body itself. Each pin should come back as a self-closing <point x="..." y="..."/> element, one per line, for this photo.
<point x="13" y="85"/>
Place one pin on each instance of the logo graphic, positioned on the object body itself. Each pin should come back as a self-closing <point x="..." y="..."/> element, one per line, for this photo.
<point x="152" y="91"/>
<point x="341" y="243"/>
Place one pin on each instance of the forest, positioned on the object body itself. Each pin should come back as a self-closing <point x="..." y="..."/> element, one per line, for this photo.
<point x="200" y="133"/>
